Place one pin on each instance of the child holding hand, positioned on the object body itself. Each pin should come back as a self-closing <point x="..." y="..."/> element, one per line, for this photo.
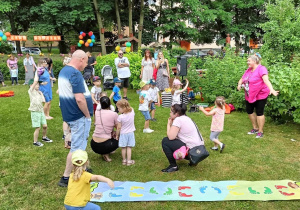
<point x="176" y="93"/>
<point x="78" y="194"/>
<point x="125" y="131"/>
<point x="217" y="124"/>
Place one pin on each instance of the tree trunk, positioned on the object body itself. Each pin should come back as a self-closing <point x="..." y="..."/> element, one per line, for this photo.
<point x="99" y="20"/>
<point x="14" y="31"/>
<point x="160" y="10"/>
<point x="141" y="24"/>
<point x="118" y="17"/>
<point x="61" y="44"/>
<point x="130" y="17"/>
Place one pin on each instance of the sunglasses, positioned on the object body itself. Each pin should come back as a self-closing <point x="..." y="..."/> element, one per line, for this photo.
<point x="120" y="53"/>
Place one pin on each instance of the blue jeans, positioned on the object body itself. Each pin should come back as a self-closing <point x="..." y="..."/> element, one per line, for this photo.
<point x="89" y="206"/>
<point x="80" y="130"/>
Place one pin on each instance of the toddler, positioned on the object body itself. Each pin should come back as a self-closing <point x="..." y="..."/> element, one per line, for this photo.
<point x="37" y="113"/>
<point x="145" y="101"/>
<point x="79" y="192"/>
<point x="125" y="131"/>
<point x="96" y="91"/>
<point x="217" y="124"/>
<point x="154" y="95"/>
<point x="116" y="95"/>
<point x="176" y="93"/>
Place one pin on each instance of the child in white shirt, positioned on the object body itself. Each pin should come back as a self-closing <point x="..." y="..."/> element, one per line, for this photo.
<point x="176" y="93"/>
<point x="154" y="94"/>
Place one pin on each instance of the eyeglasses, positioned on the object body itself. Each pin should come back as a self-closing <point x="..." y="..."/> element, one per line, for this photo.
<point x="120" y="53"/>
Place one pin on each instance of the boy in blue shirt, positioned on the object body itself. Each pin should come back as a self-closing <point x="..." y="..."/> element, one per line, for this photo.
<point x="116" y="94"/>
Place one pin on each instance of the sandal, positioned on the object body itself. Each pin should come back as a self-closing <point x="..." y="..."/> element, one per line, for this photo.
<point x="124" y="162"/>
<point x="106" y="158"/>
<point x="130" y="162"/>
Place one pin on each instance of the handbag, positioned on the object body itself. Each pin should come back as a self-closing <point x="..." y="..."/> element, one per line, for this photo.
<point x="165" y="73"/>
<point x="198" y="153"/>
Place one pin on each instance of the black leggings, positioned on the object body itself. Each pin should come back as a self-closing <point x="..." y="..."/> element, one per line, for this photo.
<point x="117" y="110"/>
<point x="169" y="147"/>
<point x="14" y="79"/>
<point x="259" y="106"/>
<point x="106" y="147"/>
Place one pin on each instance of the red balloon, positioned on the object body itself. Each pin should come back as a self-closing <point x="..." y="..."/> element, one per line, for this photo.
<point x="87" y="44"/>
<point x="83" y="34"/>
<point x="80" y="37"/>
<point x="90" y="33"/>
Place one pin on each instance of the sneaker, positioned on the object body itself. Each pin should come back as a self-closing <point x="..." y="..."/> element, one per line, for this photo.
<point x="253" y="131"/>
<point x="38" y="144"/>
<point x="46" y="139"/>
<point x="153" y="119"/>
<point x="126" y="98"/>
<point x="259" y="135"/>
<point x="12" y="84"/>
<point x="63" y="137"/>
<point x="170" y="169"/>
<point x="148" y="130"/>
<point x="222" y="148"/>
<point x="213" y="148"/>
<point x="63" y="182"/>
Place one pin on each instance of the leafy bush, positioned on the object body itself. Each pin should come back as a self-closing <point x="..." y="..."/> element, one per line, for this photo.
<point x="5" y="48"/>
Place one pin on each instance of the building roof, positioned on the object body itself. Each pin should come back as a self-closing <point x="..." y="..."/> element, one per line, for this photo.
<point x="129" y="39"/>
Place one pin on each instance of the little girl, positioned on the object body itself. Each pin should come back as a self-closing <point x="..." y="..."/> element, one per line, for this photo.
<point x="125" y="131"/>
<point x="217" y="123"/>
<point x="176" y="93"/>
<point x="78" y="194"/>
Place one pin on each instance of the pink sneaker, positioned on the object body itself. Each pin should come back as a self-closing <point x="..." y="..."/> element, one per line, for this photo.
<point x="180" y="153"/>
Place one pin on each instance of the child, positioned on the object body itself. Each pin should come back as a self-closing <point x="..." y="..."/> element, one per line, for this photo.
<point x="125" y="131"/>
<point x="176" y="93"/>
<point x="154" y="95"/>
<point x="96" y="91"/>
<point x="79" y="193"/>
<point x="217" y="123"/>
<point x="37" y="113"/>
<point x="145" y="101"/>
<point x="116" y="95"/>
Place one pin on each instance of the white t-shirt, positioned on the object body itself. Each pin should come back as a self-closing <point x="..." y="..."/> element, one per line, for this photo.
<point x="122" y="72"/>
<point x="96" y="90"/>
<point x="176" y="99"/>
<point x="153" y="93"/>
<point x="144" y="100"/>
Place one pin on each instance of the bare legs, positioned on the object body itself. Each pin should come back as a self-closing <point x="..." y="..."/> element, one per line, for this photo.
<point x="69" y="165"/>
<point x="146" y="124"/>
<point x="47" y="110"/>
<point x="37" y="132"/>
<point x="258" y="122"/>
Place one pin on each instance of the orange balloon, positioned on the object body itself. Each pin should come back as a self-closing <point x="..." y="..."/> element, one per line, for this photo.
<point x="87" y="44"/>
<point x="7" y="34"/>
<point x="80" y="37"/>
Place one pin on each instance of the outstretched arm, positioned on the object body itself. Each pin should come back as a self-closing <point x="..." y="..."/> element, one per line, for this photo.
<point x="212" y="112"/>
<point x="100" y="178"/>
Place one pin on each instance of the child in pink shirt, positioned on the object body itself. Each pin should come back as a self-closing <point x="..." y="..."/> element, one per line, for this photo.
<point x="125" y="131"/>
<point x="217" y="124"/>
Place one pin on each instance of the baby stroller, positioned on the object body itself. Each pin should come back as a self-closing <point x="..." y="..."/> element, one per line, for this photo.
<point x="108" y="78"/>
<point x="88" y="74"/>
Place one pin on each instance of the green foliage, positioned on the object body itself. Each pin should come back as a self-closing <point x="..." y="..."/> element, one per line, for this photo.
<point x="177" y="51"/>
<point x="5" y="48"/>
<point x="135" y="60"/>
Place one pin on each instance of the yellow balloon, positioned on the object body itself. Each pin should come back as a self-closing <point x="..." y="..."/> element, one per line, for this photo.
<point x="117" y="48"/>
<point x="81" y="41"/>
<point x="89" y="41"/>
<point x="0" y="38"/>
<point x="128" y="49"/>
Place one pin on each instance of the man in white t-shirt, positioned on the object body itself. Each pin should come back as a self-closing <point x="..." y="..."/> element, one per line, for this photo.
<point x="122" y="65"/>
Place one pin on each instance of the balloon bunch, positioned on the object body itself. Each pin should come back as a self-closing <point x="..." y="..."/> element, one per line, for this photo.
<point x="128" y="47"/>
<point x="3" y="37"/>
<point x="89" y="42"/>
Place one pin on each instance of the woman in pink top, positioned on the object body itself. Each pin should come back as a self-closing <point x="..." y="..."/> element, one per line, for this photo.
<point x="217" y="123"/>
<point x="104" y="141"/>
<point x="181" y="131"/>
<point x="257" y="86"/>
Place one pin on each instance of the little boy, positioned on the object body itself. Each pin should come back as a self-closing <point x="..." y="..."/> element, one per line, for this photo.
<point x="145" y="101"/>
<point x="96" y="91"/>
<point x="154" y="95"/>
<point x="116" y="94"/>
<point x="37" y="113"/>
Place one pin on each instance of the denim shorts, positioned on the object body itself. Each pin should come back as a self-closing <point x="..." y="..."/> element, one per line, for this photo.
<point x="80" y="130"/>
<point x="146" y="115"/>
<point x="38" y="119"/>
<point x="127" y="140"/>
<point x="152" y="106"/>
<point x="214" y="135"/>
<point x="88" y="206"/>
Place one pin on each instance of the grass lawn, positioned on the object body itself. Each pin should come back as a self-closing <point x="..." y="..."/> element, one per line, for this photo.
<point x="29" y="175"/>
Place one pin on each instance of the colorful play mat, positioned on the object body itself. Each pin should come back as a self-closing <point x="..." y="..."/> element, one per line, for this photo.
<point x="195" y="191"/>
<point x="8" y="93"/>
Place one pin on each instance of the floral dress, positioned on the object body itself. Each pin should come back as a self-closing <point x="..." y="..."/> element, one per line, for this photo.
<point x="148" y="69"/>
<point x="162" y="82"/>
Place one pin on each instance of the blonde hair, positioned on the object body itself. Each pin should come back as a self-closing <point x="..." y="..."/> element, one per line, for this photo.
<point x="42" y="61"/>
<point x="220" y="101"/>
<point x="123" y="103"/>
<point x="162" y="56"/>
<point x="255" y="57"/>
<point x="78" y="170"/>
<point x="173" y="89"/>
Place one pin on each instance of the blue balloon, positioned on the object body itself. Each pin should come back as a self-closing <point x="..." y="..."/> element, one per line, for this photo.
<point x="93" y="36"/>
<point x="81" y="32"/>
<point x="91" y="44"/>
<point x="1" y="33"/>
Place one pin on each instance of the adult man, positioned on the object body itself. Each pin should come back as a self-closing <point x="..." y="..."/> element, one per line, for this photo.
<point x="122" y="65"/>
<point x="91" y="61"/>
<point x="76" y="106"/>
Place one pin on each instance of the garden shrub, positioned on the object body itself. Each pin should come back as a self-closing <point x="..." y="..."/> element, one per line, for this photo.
<point x="5" y="48"/>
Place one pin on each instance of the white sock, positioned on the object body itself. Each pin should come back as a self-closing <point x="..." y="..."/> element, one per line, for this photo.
<point x="215" y="147"/>
<point x="221" y="145"/>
